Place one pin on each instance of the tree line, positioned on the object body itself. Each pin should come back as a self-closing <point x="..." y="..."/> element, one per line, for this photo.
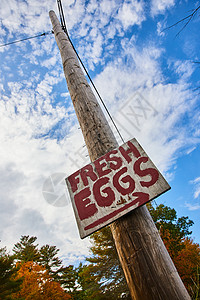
<point x="33" y="272"/>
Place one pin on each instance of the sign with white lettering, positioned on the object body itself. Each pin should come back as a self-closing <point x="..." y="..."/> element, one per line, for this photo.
<point x="113" y="185"/>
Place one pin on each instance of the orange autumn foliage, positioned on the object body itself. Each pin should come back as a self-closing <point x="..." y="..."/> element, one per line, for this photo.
<point x="172" y="243"/>
<point x="38" y="284"/>
<point x="186" y="257"/>
<point x="187" y="262"/>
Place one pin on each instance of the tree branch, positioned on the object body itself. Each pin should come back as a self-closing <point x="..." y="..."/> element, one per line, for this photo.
<point x="188" y="18"/>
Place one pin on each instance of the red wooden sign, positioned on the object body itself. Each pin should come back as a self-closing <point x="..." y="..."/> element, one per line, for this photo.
<point x="113" y="185"/>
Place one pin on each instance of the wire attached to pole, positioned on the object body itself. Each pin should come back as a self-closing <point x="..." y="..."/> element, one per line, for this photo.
<point x="62" y="17"/>
<point x="26" y="39"/>
<point x="63" y="25"/>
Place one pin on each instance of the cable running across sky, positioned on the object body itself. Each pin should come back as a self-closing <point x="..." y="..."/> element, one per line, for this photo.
<point x="26" y="39"/>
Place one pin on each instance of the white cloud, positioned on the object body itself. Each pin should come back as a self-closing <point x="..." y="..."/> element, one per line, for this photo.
<point x="131" y="13"/>
<point x="192" y="206"/>
<point x="160" y="27"/>
<point x="26" y="161"/>
<point x="158" y="129"/>
<point x="103" y="21"/>
<point x="16" y="13"/>
<point x="196" y="183"/>
<point x="48" y="63"/>
<point x="184" y="69"/>
<point x="190" y="150"/>
<point x="35" y="143"/>
<point x="142" y="69"/>
<point x="160" y="6"/>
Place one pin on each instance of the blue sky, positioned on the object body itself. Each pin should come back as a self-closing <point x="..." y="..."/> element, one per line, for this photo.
<point x="148" y="80"/>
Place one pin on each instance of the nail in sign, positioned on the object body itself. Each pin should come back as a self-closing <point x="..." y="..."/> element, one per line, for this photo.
<point x="113" y="185"/>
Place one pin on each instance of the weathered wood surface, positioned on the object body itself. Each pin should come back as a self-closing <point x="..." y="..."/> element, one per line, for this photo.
<point x="149" y="271"/>
<point x="113" y="185"/>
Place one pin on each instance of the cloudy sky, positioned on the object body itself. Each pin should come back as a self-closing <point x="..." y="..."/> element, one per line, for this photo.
<point x="149" y="80"/>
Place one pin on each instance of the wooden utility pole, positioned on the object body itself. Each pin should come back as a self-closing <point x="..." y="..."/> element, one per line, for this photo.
<point x="148" y="268"/>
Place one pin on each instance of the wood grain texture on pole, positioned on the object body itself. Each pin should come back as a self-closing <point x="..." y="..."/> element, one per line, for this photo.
<point x="148" y="268"/>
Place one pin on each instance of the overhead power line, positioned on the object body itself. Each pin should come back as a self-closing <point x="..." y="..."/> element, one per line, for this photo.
<point x="25" y="39"/>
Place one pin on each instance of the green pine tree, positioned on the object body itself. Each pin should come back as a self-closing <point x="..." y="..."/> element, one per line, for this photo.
<point x="88" y="287"/>
<point x="49" y="259"/>
<point x="105" y="266"/>
<point x="68" y="279"/>
<point x="25" y="250"/>
<point x="8" y="285"/>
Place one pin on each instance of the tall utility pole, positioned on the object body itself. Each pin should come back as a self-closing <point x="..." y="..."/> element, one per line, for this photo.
<point x="148" y="268"/>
